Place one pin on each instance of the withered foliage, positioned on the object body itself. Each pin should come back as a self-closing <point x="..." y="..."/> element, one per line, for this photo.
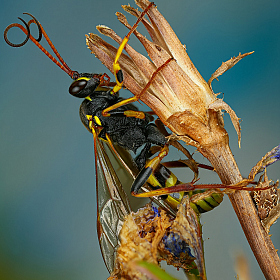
<point x="267" y="202"/>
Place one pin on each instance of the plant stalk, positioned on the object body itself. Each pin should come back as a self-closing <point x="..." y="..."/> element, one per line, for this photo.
<point x="224" y="163"/>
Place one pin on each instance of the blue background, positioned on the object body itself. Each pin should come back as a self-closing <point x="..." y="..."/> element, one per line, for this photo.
<point x="47" y="200"/>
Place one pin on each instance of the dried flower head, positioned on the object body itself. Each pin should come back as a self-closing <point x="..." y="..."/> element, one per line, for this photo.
<point x="182" y="99"/>
<point x="151" y="235"/>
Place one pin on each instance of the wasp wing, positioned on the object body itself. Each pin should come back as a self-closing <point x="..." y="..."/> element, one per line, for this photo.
<point x="115" y="171"/>
<point x="112" y="202"/>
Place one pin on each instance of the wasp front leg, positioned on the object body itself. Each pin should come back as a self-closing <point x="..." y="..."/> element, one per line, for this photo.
<point x="116" y="66"/>
<point x="135" y="98"/>
<point x="126" y="113"/>
<point x="119" y="74"/>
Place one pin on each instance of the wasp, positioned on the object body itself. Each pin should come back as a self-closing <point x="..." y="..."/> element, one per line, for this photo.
<point x="115" y="131"/>
<point x="126" y="127"/>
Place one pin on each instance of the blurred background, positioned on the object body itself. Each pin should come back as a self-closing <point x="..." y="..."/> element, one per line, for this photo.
<point x="47" y="193"/>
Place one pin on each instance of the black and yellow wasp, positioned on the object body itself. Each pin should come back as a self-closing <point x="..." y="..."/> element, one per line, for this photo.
<point x="117" y="130"/>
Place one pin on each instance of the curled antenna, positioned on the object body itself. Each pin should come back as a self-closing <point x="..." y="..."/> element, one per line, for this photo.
<point x="60" y="62"/>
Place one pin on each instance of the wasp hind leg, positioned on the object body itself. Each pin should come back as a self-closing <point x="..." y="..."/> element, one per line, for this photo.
<point x="148" y="170"/>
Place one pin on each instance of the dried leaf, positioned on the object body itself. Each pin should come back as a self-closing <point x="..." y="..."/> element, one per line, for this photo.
<point x="226" y="66"/>
<point x="219" y="104"/>
<point x="186" y="224"/>
<point x="272" y="217"/>
<point x="268" y="159"/>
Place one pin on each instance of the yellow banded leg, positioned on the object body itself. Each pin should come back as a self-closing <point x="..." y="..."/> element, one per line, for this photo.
<point x="116" y="65"/>
<point x="135" y="114"/>
<point x="118" y="72"/>
<point x="117" y="105"/>
<point x="147" y="171"/>
<point x="135" y="98"/>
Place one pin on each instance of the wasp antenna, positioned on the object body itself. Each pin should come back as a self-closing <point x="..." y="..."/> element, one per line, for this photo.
<point x="60" y="62"/>
<point x="34" y="20"/>
<point x="42" y="31"/>
<point x="26" y="31"/>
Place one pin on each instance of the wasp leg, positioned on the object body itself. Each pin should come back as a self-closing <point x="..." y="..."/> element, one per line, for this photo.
<point x="119" y="74"/>
<point x="160" y="177"/>
<point x="116" y="66"/>
<point x="186" y="187"/>
<point x="154" y="136"/>
<point x="136" y="98"/>
<point x="148" y="170"/>
<point x="141" y="159"/>
<point x="127" y="113"/>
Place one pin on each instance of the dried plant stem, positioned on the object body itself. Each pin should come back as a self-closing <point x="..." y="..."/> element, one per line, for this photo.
<point x="223" y="161"/>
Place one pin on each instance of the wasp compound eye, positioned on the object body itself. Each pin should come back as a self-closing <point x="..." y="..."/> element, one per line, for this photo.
<point x="84" y="86"/>
<point x="77" y="88"/>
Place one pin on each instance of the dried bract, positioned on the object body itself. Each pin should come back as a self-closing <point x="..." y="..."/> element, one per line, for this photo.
<point x="226" y="66"/>
<point x="267" y="202"/>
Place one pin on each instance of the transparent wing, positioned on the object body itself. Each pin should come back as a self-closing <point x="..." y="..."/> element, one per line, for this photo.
<point x="115" y="171"/>
<point x="112" y="202"/>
